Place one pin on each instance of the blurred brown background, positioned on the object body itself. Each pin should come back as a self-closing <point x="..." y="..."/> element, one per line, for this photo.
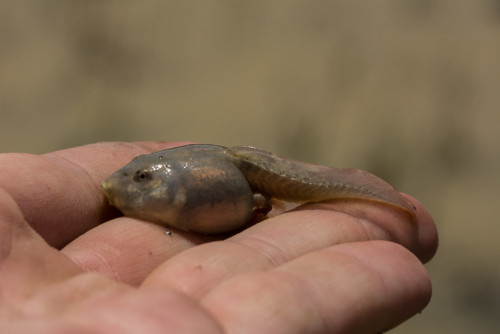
<point x="409" y="90"/>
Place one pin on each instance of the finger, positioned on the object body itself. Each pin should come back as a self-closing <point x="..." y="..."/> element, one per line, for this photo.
<point x="90" y="303"/>
<point x="378" y="221"/>
<point x="427" y="234"/>
<point x="27" y="263"/>
<point x="365" y="287"/>
<point x="127" y="249"/>
<point x="42" y="291"/>
<point x="282" y="238"/>
<point x="59" y="193"/>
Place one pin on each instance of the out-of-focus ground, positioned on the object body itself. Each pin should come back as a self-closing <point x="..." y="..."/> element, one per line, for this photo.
<point x="409" y="90"/>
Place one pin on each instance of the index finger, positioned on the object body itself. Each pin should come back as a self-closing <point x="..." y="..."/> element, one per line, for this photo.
<point x="59" y="193"/>
<point x="291" y="235"/>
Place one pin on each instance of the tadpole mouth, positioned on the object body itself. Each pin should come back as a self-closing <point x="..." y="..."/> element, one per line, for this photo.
<point x="107" y="187"/>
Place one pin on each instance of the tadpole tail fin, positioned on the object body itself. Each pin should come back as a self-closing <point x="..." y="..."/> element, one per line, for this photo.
<point x="296" y="181"/>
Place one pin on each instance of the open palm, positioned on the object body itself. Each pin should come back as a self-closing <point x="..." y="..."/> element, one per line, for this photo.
<point x="70" y="264"/>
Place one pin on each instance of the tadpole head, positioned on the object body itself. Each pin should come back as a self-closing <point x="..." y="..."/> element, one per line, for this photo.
<point x="144" y="189"/>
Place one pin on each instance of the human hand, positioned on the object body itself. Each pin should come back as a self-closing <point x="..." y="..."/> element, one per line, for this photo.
<point x="339" y="267"/>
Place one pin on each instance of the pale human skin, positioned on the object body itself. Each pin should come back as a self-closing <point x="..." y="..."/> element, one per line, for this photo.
<point x="339" y="267"/>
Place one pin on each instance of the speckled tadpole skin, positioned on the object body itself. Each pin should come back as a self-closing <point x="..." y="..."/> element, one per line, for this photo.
<point x="214" y="189"/>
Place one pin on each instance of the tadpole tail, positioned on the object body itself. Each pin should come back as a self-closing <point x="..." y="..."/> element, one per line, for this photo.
<point x="297" y="181"/>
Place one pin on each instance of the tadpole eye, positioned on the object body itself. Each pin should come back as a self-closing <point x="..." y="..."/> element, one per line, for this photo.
<point x="142" y="175"/>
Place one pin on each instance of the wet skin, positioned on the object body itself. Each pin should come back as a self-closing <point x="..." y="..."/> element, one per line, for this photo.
<point x="213" y="189"/>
